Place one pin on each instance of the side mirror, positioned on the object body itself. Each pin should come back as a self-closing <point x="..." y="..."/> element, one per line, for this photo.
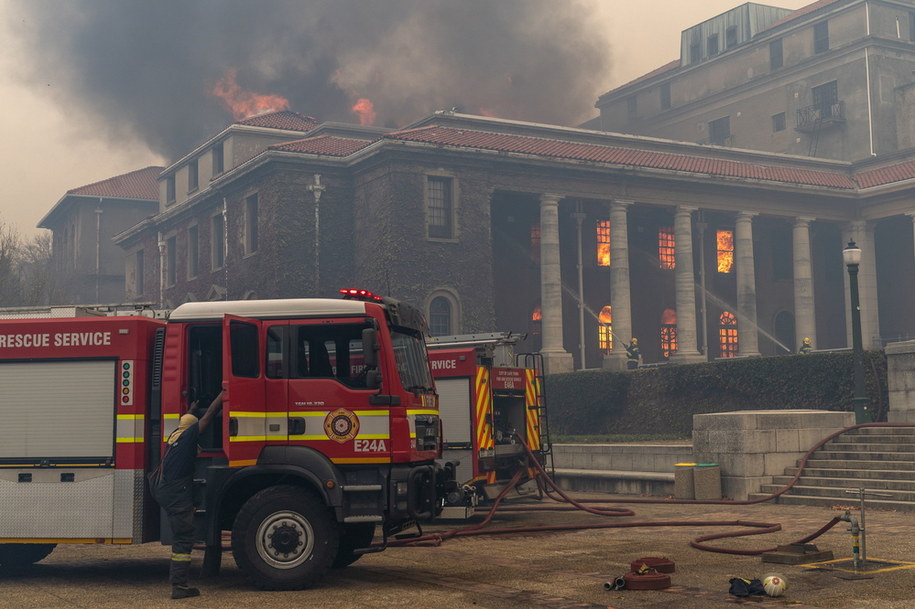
<point x="372" y="379"/>
<point x="370" y="347"/>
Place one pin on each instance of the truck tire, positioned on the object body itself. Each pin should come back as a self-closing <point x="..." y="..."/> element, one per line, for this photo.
<point x="352" y="538"/>
<point x="284" y="538"/>
<point x="21" y="554"/>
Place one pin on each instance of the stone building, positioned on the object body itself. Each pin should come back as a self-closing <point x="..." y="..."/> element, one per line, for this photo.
<point x="88" y="265"/>
<point x="833" y="80"/>
<point x="581" y="239"/>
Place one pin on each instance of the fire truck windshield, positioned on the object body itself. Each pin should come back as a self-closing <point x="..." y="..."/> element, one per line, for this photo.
<point x="412" y="361"/>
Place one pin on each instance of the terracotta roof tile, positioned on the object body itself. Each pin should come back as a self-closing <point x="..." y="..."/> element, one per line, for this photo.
<point x="615" y="155"/>
<point x="886" y="175"/>
<point x="139" y="184"/>
<point x="284" y="119"/>
<point x="324" y="144"/>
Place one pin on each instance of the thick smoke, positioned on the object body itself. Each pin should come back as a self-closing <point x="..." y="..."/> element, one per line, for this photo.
<point x="149" y="67"/>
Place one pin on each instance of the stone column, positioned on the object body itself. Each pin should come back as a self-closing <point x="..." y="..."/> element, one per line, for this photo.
<point x="555" y="358"/>
<point x="862" y="233"/>
<point x="804" y="310"/>
<point x="747" y="324"/>
<point x="685" y="280"/>
<point x="620" y="296"/>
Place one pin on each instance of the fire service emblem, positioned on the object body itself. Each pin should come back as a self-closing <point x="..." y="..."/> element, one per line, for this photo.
<point x="341" y="425"/>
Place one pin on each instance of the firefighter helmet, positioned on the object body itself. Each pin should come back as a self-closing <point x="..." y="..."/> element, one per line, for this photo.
<point x="635" y="341"/>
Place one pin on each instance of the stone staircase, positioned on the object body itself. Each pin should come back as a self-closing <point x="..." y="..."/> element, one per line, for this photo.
<point x="879" y="459"/>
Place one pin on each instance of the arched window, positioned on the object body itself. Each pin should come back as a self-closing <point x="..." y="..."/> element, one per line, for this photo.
<point x="727" y="334"/>
<point x="668" y="333"/>
<point x="440" y="317"/>
<point x="605" y="329"/>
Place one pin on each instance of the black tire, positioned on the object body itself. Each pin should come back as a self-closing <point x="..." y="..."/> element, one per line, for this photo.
<point x="284" y="538"/>
<point x="22" y="554"/>
<point x="353" y="537"/>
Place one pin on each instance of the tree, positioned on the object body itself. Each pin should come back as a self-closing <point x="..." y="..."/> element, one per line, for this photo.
<point x="26" y="277"/>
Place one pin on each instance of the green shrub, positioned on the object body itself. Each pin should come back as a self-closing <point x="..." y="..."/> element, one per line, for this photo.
<point x="663" y="400"/>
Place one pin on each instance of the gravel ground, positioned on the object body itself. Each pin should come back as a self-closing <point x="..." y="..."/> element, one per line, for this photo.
<point x="513" y="570"/>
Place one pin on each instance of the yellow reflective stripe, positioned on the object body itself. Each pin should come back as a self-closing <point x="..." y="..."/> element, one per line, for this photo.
<point x="129" y="440"/>
<point x="181" y="557"/>
<point x="242" y="462"/>
<point x="423" y="411"/>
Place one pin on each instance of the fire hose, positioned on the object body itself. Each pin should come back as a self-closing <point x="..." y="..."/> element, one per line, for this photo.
<point x="546" y="483"/>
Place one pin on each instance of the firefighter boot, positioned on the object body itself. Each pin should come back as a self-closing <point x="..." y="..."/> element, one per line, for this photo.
<point x="178" y="574"/>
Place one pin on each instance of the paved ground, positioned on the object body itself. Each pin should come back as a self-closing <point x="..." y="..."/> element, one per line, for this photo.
<point x="549" y="570"/>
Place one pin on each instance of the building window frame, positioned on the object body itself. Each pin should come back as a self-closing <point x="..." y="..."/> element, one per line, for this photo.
<point x="605" y="329"/>
<point x="712" y="47"/>
<point x="217" y="241"/>
<point x="724" y="240"/>
<point x="776" y="54"/>
<point x="193" y="175"/>
<point x="441" y="207"/>
<point x="442" y="309"/>
<point x="667" y="248"/>
<point x="171" y="261"/>
<point x="821" y="37"/>
<point x="219" y="158"/>
<point x="251" y="224"/>
<point x="193" y="251"/>
<point x="730" y="37"/>
<point x="139" y="273"/>
<point x="664" y="93"/>
<point x="602" y="234"/>
<point x="170" y="195"/>
<point x="667" y="333"/>
<point x="719" y="131"/>
<point x="728" y="335"/>
<point x="779" y="122"/>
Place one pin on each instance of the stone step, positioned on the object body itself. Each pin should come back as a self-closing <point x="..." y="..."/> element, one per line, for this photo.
<point x="849" y="500"/>
<point x="867" y="431"/>
<point x="869" y="447"/>
<point x="858" y="464"/>
<point x="907" y="439"/>
<point x="854" y="474"/>
<point x="838" y="494"/>
<point x="864" y="455"/>
<point x="846" y="482"/>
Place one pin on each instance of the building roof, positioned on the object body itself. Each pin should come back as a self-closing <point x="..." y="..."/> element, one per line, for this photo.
<point x="283" y="119"/>
<point x="705" y="164"/>
<point x="886" y="175"/>
<point x="139" y="184"/>
<point x="325" y="144"/>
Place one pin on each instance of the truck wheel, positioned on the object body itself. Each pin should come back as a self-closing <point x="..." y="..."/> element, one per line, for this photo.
<point x="20" y="554"/>
<point x="353" y="537"/>
<point x="284" y="538"/>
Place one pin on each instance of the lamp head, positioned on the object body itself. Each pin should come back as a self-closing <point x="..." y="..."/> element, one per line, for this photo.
<point x="851" y="254"/>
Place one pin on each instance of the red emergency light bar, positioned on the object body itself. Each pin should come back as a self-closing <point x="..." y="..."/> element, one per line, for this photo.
<point x="353" y="294"/>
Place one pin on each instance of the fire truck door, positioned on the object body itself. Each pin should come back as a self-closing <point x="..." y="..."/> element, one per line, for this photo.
<point x="244" y="418"/>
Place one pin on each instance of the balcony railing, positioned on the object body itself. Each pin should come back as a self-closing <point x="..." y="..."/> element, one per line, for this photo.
<point x="819" y="116"/>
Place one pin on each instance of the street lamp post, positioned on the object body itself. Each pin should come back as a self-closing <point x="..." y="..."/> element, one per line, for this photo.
<point x="851" y="255"/>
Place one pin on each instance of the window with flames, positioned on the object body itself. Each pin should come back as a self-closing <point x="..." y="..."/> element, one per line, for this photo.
<point x="725" y="240"/>
<point x="605" y="329"/>
<point x="667" y="256"/>
<point x="603" y="243"/>
<point x="727" y="334"/>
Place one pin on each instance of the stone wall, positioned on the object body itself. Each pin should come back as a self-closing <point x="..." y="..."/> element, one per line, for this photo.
<point x="900" y="364"/>
<point x="752" y="446"/>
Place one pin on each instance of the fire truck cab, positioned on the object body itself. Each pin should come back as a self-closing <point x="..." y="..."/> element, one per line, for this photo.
<point x="329" y="429"/>
<point x="493" y="410"/>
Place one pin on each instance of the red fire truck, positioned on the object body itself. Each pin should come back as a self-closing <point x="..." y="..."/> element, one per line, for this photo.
<point x="492" y="409"/>
<point x="329" y="429"/>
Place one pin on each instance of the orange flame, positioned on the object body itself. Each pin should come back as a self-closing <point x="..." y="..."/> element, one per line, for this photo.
<point x="725" y="239"/>
<point x="246" y="103"/>
<point x="366" y="111"/>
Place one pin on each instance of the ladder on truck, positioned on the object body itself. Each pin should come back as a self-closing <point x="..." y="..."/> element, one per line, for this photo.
<point x="534" y="361"/>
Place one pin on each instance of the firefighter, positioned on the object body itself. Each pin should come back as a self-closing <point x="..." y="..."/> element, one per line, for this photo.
<point x="172" y="488"/>
<point x="806" y="347"/>
<point x="632" y="354"/>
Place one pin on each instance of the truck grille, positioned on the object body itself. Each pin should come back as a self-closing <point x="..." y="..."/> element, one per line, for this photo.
<point x="427" y="428"/>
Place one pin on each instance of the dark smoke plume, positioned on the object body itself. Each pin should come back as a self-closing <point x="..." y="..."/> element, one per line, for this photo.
<point x="148" y="67"/>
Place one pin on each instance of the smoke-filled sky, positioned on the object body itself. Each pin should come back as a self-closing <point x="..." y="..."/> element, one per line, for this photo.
<point x="95" y="88"/>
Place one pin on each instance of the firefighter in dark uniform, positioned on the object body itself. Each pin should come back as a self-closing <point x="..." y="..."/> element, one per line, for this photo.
<point x="632" y="354"/>
<point x="806" y="347"/>
<point x="173" y="490"/>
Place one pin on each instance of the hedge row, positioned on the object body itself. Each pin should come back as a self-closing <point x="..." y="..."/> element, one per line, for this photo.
<point x="663" y="400"/>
